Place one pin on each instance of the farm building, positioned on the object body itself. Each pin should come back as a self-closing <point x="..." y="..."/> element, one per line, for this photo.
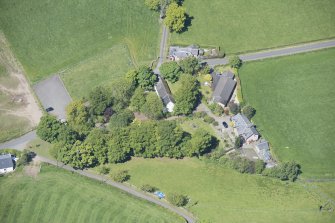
<point x="179" y="53"/>
<point x="263" y="150"/>
<point x="223" y="88"/>
<point x="163" y="91"/>
<point x="6" y="163"/>
<point x="244" y="128"/>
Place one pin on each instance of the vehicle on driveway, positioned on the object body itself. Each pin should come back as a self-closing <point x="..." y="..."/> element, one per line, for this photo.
<point x="225" y="124"/>
<point x="49" y="109"/>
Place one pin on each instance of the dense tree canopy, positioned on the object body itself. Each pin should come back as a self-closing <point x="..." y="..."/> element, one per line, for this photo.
<point x="170" y="71"/>
<point x="201" y="143"/>
<point x="190" y="65"/>
<point x="146" y="78"/>
<point x="153" y="107"/>
<point x="137" y="100"/>
<point x="121" y="119"/>
<point x="78" y="117"/>
<point x="187" y="95"/>
<point x="99" y="98"/>
<point x="175" y="17"/>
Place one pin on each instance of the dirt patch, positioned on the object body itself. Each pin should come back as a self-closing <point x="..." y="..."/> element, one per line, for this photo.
<point x="33" y="168"/>
<point x="16" y="88"/>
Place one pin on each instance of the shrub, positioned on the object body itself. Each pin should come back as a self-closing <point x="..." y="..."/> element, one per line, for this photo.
<point x="235" y="61"/>
<point x="209" y="119"/>
<point x="249" y="111"/>
<point x="238" y="142"/>
<point x="234" y="108"/>
<point x="148" y="188"/>
<point x="153" y="4"/>
<point x="103" y="170"/>
<point x="25" y="158"/>
<point x="216" y="109"/>
<point x="284" y="171"/>
<point x="259" y="166"/>
<point x="120" y="176"/>
<point x="215" y="123"/>
<point x="178" y="200"/>
<point x="199" y="114"/>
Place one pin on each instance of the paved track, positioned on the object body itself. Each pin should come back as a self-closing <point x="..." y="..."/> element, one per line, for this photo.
<point x="20" y="142"/>
<point x="302" y="48"/>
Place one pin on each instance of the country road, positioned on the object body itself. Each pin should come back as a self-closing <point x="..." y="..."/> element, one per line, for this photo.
<point x="285" y="51"/>
<point x="20" y="142"/>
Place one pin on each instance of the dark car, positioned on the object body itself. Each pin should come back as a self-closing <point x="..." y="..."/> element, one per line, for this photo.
<point x="49" y="109"/>
<point x="225" y="124"/>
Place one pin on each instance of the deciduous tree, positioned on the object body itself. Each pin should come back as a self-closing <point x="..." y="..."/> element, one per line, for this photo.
<point x="175" y="17"/>
<point x="190" y="65"/>
<point x="170" y="71"/>
<point x="153" y="107"/>
<point x="187" y="95"/>
<point x="153" y="4"/>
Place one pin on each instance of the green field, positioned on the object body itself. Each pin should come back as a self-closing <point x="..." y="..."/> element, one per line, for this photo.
<point x="223" y="195"/>
<point x="241" y="25"/>
<point x="50" y="36"/>
<point x="295" y="102"/>
<point x="60" y="196"/>
<point x="98" y="70"/>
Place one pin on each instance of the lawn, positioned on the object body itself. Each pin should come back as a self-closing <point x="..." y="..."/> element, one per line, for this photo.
<point x="295" y="101"/>
<point x="60" y="196"/>
<point x="40" y="147"/>
<point x="222" y="195"/>
<point x="49" y="36"/>
<point x="101" y="69"/>
<point x="241" y="25"/>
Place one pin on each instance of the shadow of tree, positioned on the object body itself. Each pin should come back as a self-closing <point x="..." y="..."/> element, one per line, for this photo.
<point x="188" y="23"/>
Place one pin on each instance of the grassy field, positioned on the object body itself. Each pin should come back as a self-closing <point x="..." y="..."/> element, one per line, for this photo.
<point x="60" y="196"/>
<point x="40" y="147"/>
<point x="100" y="69"/>
<point x="295" y="102"/>
<point x="222" y="195"/>
<point x="50" y="36"/>
<point x="240" y="25"/>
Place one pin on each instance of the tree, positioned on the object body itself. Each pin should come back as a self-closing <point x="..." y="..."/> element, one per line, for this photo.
<point x="249" y="111"/>
<point x="284" y="171"/>
<point x="137" y="100"/>
<point x="122" y="89"/>
<point x="238" y="142"/>
<point x="175" y="17"/>
<point x="99" y="98"/>
<point x="178" y="200"/>
<point x="49" y="128"/>
<point x="146" y="78"/>
<point x="190" y="65"/>
<point x="153" y="4"/>
<point x="78" y="117"/>
<point x="233" y="107"/>
<point x="153" y="107"/>
<point x="80" y="156"/>
<point x="235" y="61"/>
<point x="97" y="139"/>
<point x="171" y="71"/>
<point x="201" y="142"/>
<point x="120" y="176"/>
<point x="121" y="119"/>
<point x="118" y="145"/>
<point x="187" y="95"/>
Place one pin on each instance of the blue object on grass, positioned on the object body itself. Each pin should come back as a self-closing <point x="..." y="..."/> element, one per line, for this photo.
<point x="159" y="194"/>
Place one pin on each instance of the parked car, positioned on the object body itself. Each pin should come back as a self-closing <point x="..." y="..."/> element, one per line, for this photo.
<point x="49" y="109"/>
<point x="225" y="124"/>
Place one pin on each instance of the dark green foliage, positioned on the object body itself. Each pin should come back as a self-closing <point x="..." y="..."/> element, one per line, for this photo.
<point x="121" y="91"/>
<point x="284" y="171"/>
<point x="190" y="65"/>
<point x="201" y="142"/>
<point x="120" y="176"/>
<point x="238" y="142"/>
<point x="137" y="100"/>
<point x="78" y="117"/>
<point x="249" y="111"/>
<point x="25" y="158"/>
<point x="209" y="119"/>
<point x="103" y="170"/>
<point x="146" y="78"/>
<point x="99" y="98"/>
<point x="171" y="71"/>
<point x="153" y="107"/>
<point x="178" y="200"/>
<point x="238" y="163"/>
<point x="119" y="145"/>
<point x="187" y="95"/>
<point x="148" y="188"/>
<point x="216" y="109"/>
<point x="80" y="156"/>
<point x="259" y="166"/>
<point x="235" y="61"/>
<point x="121" y="119"/>
<point x="233" y="108"/>
<point x="97" y="139"/>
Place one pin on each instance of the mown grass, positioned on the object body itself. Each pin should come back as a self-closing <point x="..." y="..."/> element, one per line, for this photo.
<point x="101" y="69"/>
<point x="50" y="36"/>
<point x="295" y="101"/>
<point x="240" y="25"/>
<point x="60" y="196"/>
<point x="222" y="195"/>
<point x="40" y="147"/>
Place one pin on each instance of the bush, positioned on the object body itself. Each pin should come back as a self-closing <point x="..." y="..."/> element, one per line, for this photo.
<point x="25" y="158"/>
<point x="284" y="171"/>
<point x="178" y="200"/>
<point x="259" y="166"/>
<point x="233" y="108"/>
<point x="216" y="109"/>
<point x="249" y="111"/>
<point x="215" y="123"/>
<point x="199" y="114"/>
<point x="209" y="119"/>
<point x="238" y="142"/>
<point x="120" y="176"/>
<point x="148" y="188"/>
<point x="235" y="61"/>
<point x="103" y="170"/>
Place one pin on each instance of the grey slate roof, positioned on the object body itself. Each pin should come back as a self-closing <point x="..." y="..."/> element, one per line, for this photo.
<point x="163" y="91"/>
<point x="6" y="161"/>
<point x="183" y="52"/>
<point x="224" y="86"/>
<point x="264" y="151"/>
<point x="243" y="126"/>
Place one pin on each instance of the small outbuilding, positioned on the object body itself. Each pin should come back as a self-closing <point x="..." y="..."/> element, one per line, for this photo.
<point x="6" y="163"/>
<point x="179" y="53"/>
<point x="163" y="91"/>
